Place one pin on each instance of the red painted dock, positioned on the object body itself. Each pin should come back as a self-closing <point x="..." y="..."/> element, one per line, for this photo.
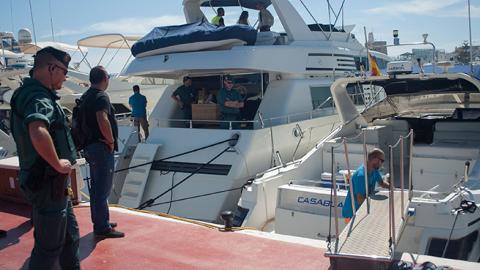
<point x="152" y="242"/>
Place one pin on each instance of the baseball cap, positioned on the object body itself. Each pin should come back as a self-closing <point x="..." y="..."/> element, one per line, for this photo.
<point x="227" y="78"/>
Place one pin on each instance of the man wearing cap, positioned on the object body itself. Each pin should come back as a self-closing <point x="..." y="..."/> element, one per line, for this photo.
<point x="184" y="96"/>
<point x="230" y="102"/>
<point x="46" y="152"/>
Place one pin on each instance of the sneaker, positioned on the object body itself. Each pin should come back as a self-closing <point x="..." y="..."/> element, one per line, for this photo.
<point x="3" y="233"/>
<point x="111" y="234"/>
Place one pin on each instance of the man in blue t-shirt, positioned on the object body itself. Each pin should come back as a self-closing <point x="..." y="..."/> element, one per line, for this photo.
<point x="375" y="159"/>
<point x="138" y="103"/>
<point x="230" y="102"/>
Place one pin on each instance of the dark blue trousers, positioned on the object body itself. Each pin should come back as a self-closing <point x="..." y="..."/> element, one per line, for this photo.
<point x="101" y="163"/>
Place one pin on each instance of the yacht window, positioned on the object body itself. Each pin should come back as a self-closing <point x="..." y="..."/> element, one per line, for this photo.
<point x="366" y="94"/>
<point x="458" y="249"/>
<point x="361" y="61"/>
<point x="321" y="97"/>
<point x="206" y="108"/>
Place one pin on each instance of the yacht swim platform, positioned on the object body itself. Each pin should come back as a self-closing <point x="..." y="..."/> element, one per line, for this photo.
<point x="154" y="242"/>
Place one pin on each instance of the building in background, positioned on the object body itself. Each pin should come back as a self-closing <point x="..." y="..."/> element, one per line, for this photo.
<point x="376" y="45"/>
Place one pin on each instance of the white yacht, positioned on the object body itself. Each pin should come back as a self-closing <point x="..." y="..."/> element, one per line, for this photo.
<point x="194" y="168"/>
<point x="432" y="206"/>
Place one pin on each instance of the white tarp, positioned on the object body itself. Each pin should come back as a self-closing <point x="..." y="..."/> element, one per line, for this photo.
<point x="108" y="41"/>
<point x="32" y="48"/>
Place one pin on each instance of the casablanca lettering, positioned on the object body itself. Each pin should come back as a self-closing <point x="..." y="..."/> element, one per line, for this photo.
<point x="315" y="201"/>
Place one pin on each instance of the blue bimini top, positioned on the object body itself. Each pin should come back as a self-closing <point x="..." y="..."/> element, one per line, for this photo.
<point x="168" y="36"/>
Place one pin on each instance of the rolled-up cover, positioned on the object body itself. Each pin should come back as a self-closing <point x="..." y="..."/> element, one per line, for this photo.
<point x="200" y="35"/>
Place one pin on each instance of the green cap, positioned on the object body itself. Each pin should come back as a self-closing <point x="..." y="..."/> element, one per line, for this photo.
<point x="60" y="55"/>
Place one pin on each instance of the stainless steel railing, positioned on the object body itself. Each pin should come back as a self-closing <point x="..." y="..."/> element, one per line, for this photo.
<point x="269" y="122"/>
<point x="399" y="143"/>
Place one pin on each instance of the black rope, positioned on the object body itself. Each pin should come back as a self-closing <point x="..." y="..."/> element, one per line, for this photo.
<point x="170" y="157"/>
<point x="149" y="202"/>
<point x="197" y="196"/>
<point x="171" y="193"/>
<point x="465" y="206"/>
<point x="451" y="232"/>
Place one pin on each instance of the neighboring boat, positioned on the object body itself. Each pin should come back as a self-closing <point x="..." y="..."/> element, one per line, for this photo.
<point x="435" y="194"/>
<point x="194" y="168"/>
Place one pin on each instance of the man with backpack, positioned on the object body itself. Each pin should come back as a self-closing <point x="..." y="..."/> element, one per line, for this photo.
<point x="99" y="147"/>
<point x="46" y="153"/>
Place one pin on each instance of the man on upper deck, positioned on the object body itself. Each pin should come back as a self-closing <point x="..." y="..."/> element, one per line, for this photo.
<point x="265" y="18"/>
<point x="230" y="102"/>
<point x="185" y="96"/>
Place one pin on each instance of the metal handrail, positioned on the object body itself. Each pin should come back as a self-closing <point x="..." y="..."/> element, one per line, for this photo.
<point x="261" y="121"/>
<point x="391" y="207"/>
<point x="410" y="164"/>
<point x="402" y="186"/>
<point x="350" y="183"/>
<point x="365" y="171"/>
<point x="392" y="181"/>
<point x="335" y="200"/>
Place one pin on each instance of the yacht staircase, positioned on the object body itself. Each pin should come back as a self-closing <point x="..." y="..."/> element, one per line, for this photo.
<point x="137" y="176"/>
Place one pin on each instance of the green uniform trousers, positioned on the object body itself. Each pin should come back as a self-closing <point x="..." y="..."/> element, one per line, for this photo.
<point x="55" y="231"/>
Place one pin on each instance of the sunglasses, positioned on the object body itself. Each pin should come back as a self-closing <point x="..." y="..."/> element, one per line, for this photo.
<point x="65" y="71"/>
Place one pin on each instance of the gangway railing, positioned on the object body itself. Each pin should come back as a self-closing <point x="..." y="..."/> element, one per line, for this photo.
<point x="369" y="213"/>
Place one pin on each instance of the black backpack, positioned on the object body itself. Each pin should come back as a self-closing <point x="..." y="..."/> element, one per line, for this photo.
<point x="80" y="132"/>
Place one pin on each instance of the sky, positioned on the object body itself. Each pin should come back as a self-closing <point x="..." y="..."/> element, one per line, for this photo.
<point x="446" y="21"/>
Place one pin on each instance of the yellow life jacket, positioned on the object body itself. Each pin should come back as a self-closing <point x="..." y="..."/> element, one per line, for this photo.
<point x="216" y="20"/>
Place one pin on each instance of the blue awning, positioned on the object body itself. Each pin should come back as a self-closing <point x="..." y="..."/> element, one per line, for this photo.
<point x="167" y="36"/>
<point x="235" y="3"/>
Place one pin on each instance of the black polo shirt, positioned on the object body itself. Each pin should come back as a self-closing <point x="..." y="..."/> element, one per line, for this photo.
<point x="97" y="100"/>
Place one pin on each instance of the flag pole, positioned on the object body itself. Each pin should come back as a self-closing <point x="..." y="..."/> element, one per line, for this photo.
<point x="470" y="33"/>
<point x="368" y="52"/>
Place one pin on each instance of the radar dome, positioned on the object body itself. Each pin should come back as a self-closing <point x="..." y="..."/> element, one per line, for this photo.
<point x="24" y="36"/>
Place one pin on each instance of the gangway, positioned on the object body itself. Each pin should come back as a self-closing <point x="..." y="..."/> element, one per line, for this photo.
<point x="368" y="235"/>
<point x="371" y="236"/>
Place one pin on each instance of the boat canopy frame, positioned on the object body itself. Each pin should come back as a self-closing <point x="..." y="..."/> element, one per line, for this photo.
<point x="107" y="41"/>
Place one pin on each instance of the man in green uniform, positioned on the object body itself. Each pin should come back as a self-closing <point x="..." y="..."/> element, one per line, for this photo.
<point x="46" y="152"/>
<point x="230" y="102"/>
<point x="185" y="96"/>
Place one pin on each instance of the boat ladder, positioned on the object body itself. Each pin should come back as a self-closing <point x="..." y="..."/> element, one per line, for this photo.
<point x="137" y="177"/>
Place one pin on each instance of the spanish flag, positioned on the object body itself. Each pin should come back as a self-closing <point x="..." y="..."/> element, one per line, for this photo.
<point x="373" y="66"/>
